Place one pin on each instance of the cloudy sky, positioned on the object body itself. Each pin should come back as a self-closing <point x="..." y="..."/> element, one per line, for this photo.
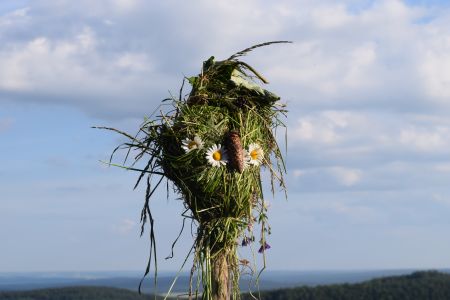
<point x="367" y="84"/>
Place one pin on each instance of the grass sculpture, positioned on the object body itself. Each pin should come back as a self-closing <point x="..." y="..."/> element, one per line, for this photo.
<point x="211" y="146"/>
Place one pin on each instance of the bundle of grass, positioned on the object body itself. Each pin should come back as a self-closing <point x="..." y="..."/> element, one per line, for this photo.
<point x="211" y="146"/>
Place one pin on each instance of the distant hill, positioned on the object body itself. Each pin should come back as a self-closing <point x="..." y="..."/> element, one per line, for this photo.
<point x="269" y="280"/>
<point x="428" y="285"/>
<point x="74" y="293"/>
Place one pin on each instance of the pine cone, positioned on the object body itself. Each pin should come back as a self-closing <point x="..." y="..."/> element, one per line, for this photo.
<point x="234" y="150"/>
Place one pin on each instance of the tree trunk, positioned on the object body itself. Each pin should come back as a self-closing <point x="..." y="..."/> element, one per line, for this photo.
<point x="220" y="278"/>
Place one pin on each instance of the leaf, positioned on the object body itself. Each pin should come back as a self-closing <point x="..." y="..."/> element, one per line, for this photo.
<point x="207" y="64"/>
<point x="193" y="80"/>
<point x="239" y="79"/>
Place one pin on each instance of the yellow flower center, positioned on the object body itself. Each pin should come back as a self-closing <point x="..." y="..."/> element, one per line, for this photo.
<point x="254" y="154"/>
<point x="217" y="155"/>
<point x="192" y="144"/>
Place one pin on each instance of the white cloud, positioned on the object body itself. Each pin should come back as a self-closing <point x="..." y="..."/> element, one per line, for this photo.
<point x="330" y="16"/>
<point x="298" y="173"/>
<point x="74" y="70"/>
<point x="442" y="167"/>
<point x="362" y="61"/>
<point x="435" y="66"/>
<point x="440" y="199"/>
<point x="375" y="61"/>
<point x="328" y="178"/>
<point x="125" y="226"/>
<point x="44" y="64"/>
<point x="307" y="131"/>
<point x="335" y="137"/>
<point x="133" y="62"/>
<point x="356" y="212"/>
<point x="15" y="17"/>
<point x="327" y="127"/>
<point x="380" y="55"/>
<point x="337" y="208"/>
<point x="426" y="139"/>
<point x="125" y="5"/>
<point x="346" y="176"/>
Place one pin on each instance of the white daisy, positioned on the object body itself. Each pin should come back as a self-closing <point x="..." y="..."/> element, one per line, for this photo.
<point x="216" y="156"/>
<point x="191" y="144"/>
<point x="255" y="154"/>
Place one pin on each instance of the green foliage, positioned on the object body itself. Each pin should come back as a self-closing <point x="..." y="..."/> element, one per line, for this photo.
<point x="222" y="201"/>
<point x="430" y="285"/>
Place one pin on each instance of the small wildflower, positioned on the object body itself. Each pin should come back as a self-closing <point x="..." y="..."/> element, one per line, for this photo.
<point x="254" y="155"/>
<point x="217" y="156"/>
<point x="191" y="144"/>
<point x="246" y="241"/>
<point x="264" y="247"/>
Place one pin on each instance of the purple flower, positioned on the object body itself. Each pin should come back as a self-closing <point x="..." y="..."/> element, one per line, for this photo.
<point x="246" y="241"/>
<point x="264" y="247"/>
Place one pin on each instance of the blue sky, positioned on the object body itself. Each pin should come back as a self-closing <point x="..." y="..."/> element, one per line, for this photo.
<point x="367" y="84"/>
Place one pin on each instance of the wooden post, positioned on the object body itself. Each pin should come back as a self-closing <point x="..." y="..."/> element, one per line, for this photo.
<point x="220" y="278"/>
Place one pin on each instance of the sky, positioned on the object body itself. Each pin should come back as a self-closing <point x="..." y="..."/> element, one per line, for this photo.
<point x="366" y="83"/>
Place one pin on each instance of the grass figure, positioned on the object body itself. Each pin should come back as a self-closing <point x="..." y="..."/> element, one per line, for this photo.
<point x="211" y="146"/>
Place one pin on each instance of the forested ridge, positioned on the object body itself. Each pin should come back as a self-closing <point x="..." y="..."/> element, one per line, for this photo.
<point x="429" y="285"/>
<point x="74" y="293"/>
